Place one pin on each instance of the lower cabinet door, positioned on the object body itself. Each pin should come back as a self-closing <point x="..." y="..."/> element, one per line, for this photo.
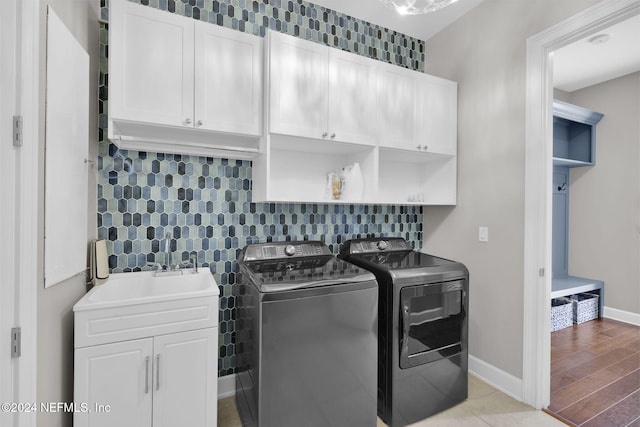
<point x="112" y="384"/>
<point x="185" y="379"/>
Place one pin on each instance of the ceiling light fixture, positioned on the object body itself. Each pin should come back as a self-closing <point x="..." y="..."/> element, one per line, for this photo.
<point x="416" y="7"/>
<point x="599" y="39"/>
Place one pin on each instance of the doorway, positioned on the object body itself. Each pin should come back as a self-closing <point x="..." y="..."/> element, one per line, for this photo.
<point x="594" y="377"/>
<point x="538" y="175"/>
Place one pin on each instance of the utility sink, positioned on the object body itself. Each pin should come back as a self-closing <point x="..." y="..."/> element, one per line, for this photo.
<point x="137" y="305"/>
<point x="146" y="287"/>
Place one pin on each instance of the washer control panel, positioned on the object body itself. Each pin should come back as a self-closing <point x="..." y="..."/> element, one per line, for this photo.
<point x="276" y="250"/>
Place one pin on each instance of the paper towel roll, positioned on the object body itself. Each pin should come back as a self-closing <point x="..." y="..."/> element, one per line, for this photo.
<point x="99" y="261"/>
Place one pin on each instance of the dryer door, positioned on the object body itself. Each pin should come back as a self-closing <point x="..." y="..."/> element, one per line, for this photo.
<point x="432" y="320"/>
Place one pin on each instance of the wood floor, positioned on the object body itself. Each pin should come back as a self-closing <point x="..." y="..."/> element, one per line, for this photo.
<point x="595" y="374"/>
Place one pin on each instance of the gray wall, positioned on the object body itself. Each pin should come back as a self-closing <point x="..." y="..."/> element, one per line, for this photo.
<point x="55" y="316"/>
<point x="604" y="205"/>
<point x="485" y="52"/>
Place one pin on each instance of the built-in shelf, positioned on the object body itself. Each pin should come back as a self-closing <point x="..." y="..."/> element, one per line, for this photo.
<point x="574" y="135"/>
<point x="574" y="145"/>
<point x="570" y="163"/>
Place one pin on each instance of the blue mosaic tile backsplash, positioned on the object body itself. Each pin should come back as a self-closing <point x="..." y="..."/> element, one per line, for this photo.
<point x="301" y="19"/>
<point x="205" y="203"/>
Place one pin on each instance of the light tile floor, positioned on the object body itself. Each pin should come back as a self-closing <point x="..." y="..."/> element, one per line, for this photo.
<point x="485" y="406"/>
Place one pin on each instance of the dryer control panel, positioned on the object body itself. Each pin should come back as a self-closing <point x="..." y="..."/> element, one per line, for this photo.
<point x="376" y="244"/>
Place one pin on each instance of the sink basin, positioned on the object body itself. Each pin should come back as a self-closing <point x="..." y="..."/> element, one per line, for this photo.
<point x="139" y="305"/>
<point x="138" y="288"/>
<point x="145" y="287"/>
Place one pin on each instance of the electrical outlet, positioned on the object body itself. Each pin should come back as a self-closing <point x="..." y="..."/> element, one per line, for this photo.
<point x="483" y="234"/>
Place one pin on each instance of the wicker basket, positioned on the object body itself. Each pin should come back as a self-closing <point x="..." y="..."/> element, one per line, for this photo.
<point x="585" y="307"/>
<point x="561" y="313"/>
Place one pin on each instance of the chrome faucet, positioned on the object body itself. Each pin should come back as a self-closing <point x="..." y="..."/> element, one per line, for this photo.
<point x="194" y="260"/>
<point x="167" y="252"/>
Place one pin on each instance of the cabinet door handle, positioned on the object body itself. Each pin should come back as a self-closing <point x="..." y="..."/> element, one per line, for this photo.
<point x="146" y="374"/>
<point x="333" y="135"/>
<point x="187" y="121"/>
<point x="157" y="372"/>
<point x="199" y="123"/>
<point x="426" y="147"/>
<point x="324" y="134"/>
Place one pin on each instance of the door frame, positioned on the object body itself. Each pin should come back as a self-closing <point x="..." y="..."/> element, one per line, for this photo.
<point x="19" y="256"/>
<point x="538" y="174"/>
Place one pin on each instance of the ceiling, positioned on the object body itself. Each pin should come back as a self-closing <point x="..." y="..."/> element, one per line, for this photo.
<point x="421" y="27"/>
<point x="582" y="64"/>
<point x="578" y="65"/>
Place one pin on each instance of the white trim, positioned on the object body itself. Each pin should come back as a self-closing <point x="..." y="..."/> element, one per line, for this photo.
<point x="226" y="386"/>
<point x="621" y="315"/>
<point x="538" y="167"/>
<point x="8" y="215"/>
<point x="497" y="378"/>
<point x="28" y="206"/>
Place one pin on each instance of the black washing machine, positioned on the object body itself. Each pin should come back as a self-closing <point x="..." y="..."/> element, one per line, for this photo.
<point x="422" y="328"/>
<point x="306" y="327"/>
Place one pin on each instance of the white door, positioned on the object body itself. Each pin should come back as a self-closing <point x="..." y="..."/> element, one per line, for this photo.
<point x="185" y="379"/>
<point x="150" y="65"/>
<point x="298" y="86"/>
<point x="228" y="80"/>
<point x="352" y="98"/>
<point x="436" y="124"/>
<point x="118" y="375"/>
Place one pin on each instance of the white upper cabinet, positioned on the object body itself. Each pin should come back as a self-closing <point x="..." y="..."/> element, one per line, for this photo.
<point x="437" y="115"/>
<point x="228" y="80"/>
<point x="181" y="85"/>
<point x="352" y="98"/>
<point x="397" y="104"/>
<point x="298" y="87"/>
<point x="418" y="112"/>
<point x="328" y="109"/>
<point x="320" y="92"/>
<point x="150" y="65"/>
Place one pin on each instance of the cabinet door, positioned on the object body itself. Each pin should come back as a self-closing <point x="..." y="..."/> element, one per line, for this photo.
<point x="150" y="65"/>
<point x="436" y="124"/>
<point x="118" y="375"/>
<point x="185" y="379"/>
<point x="228" y="80"/>
<point x="352" y="98"/>
<point x="397" y="107"/>
<point x="297" y="86"/>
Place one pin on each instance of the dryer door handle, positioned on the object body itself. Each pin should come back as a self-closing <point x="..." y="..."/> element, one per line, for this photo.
<point x="404" y="352"/>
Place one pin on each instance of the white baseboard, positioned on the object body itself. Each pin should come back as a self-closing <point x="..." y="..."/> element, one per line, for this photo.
<point x="497" y="378"/>
<point x="226" y="386"/>
<point x="621" y="315"/>
<point x="493" y="376"/>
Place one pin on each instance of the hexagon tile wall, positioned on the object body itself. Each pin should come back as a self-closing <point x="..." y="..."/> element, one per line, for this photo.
<point x="205" y="203"/>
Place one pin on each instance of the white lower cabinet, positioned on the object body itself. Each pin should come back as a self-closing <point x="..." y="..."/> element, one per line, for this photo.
<point x="185" y="366"/>
<point x="165" y="380"/>
<point x="114" y="377"/>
